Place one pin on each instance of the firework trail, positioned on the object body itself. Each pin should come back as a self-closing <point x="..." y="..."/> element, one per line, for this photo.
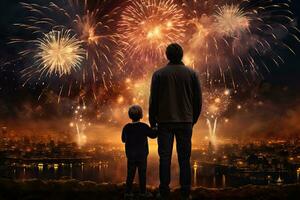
<point x="231" y="39"/>
<point x="72" y="46"/>
<point x="215" y="104"/>
<point x="148" y="26"/>
<point x="80" y="124"/>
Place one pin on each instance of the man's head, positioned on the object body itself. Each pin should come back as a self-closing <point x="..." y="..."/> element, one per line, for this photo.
<point x="174" y="53"/>
<point x="135" y="113"/>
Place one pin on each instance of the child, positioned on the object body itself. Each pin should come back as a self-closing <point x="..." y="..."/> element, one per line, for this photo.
<point x="134" y="135"/>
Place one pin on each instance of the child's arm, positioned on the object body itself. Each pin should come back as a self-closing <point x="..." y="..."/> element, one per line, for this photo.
<point x="152" y="132"/>
<point x="124" y="135"/>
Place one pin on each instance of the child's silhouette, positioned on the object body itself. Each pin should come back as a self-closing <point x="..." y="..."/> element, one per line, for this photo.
<point x="134" y="135"/>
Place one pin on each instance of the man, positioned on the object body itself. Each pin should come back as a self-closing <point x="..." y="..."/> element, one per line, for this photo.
<point x="175" y="105"/>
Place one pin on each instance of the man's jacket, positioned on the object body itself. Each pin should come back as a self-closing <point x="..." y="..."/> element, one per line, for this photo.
<point x="175" y="95"/>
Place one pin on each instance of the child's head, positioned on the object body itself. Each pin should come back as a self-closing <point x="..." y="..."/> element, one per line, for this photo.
<point x="135" y="113"/>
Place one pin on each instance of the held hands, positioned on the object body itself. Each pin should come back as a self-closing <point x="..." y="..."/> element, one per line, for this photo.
<point x="155" y="130"/>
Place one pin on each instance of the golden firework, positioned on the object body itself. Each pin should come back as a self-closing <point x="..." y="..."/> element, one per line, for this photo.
<point x="59" y="52"/>
<point x="147" y="27"/>
<point x="231" y="20"/>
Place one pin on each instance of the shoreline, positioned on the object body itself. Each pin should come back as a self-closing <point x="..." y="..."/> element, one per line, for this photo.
<point x="74" y="189"/>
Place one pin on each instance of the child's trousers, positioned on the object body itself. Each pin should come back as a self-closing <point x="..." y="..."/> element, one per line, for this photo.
<point x="141" y="166"/>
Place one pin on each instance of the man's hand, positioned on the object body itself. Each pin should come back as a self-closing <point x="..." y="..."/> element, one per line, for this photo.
<point x="155" y="128"/>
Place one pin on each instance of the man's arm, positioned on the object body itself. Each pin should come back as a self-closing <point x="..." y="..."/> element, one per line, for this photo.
<point x="124" y="135"/>
<point x="197" y="104"/>
<point x="153" y="101"/>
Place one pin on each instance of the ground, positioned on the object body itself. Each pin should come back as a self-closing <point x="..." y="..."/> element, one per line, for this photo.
<point x="73" y="189"/>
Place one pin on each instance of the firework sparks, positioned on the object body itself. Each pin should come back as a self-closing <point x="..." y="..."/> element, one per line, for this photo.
<point x="230" y="39"/>
<point x="80" y="124"/>
<point x="147" y="27"/>
<point x="100" y="40"/>
<point x="58" y="52"/>
<point x="231" y="20"/>
<point x="215" y="104"/>
<point x="133" y="92"/>
<point x="83" y="54"/>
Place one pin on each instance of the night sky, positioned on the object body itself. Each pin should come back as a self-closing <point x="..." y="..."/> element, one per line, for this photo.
<point x="280" y="88"/>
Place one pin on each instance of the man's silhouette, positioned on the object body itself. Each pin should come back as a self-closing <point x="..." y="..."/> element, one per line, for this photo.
<point x="175" y="105"/>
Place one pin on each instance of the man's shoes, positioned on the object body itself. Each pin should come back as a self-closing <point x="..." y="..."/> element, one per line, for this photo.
<point x="128" y="196"/>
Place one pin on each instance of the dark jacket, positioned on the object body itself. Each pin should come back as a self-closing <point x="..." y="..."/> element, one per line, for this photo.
<point x="175" y="95"/>
<point x="134" y="135"/>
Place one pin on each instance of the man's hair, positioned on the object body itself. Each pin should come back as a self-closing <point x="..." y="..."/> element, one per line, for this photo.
<point x="174" y="53"/>
<point x="135" y="112"/>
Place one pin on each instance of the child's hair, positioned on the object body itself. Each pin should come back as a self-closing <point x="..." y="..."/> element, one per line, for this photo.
<point x="135" y="112"/>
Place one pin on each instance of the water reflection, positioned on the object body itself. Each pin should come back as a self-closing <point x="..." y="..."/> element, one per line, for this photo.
<point x="114" y="171"/>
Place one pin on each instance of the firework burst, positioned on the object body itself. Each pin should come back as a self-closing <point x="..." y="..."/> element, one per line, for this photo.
<point x="231" y="20"/>
<point x="148" y="26"/>
<point x="231" y="39"/>
<point x="58" y="53"/>
<point x="82" y="57"/>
